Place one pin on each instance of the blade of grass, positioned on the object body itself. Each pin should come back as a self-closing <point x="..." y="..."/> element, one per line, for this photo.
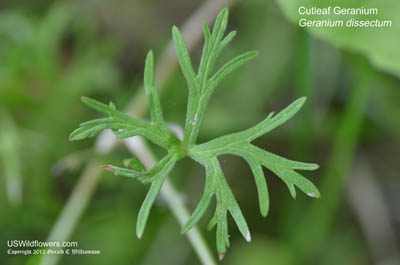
<point x="320" y="216"/>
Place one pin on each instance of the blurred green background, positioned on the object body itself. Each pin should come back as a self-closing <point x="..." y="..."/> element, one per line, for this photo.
<point x="53" y="52"/>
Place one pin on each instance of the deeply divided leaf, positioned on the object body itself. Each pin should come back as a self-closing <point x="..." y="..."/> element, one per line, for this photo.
<point x="201" y="87"/>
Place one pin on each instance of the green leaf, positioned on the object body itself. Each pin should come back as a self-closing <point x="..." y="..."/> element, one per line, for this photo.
<point x="151" y="91"/>
<point x="202" y="205"/>
<point x="237" y="215"/>
<point x="216" y="182"/>
<point x="214" y="47"/>
<point x="222" y="233"/>
<point x="206" y="51"/>
<point x="215" y="146"/>
<point x="119" y="171"/>
<point x="292" y="189"/>
<point x="184" y="59"/>
<point x="135" y="164"/>
<point x="87" y="131"/>
<point x="267" y="157"/>
<point x="282" y="167"/>
<point x="226" y="41"/>
<point x="158" y="175"/>
<point x="220" y="25"/>
<point x="111" y="111"/>
<point x="94" y="122"/>
<point x="240" y="144"/>
<point x="96" y="105"/>
<point x="146" y="206"/>
<point x="212" y="222"/>
<point x="229" y="67"/>
<point x="92" y="130"/>
<point x="227" y="201"/>
<point x="272" y="122"/>
<point x="200" y="90"/>
<point x="294" y="178"/>
<point x="124" y="126"/>
<point x="261" y="184"/>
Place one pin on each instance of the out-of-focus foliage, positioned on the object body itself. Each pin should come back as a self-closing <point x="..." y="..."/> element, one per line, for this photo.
<point x="380" y="45"/>
<point x="10" y="148"/>
<point x="46" y="63"/>
<point x="352" y="111"/>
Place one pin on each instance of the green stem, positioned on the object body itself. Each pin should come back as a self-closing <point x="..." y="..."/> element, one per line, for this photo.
<point x="303" y="136"/>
